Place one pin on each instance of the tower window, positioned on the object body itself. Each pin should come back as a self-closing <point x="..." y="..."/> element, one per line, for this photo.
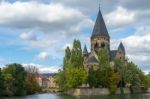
<point x="96" y="45"/>
<point x="103" y="45"/>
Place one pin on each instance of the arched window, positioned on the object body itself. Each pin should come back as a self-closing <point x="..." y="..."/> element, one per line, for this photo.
<point x="103" y="45"/>
<point x="96" y="45"/>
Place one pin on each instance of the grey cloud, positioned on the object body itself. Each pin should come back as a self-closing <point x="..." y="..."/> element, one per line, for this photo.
<point x="135" y="4"/>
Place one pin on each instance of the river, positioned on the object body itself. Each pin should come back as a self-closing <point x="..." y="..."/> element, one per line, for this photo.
<point x="55" y="96"/>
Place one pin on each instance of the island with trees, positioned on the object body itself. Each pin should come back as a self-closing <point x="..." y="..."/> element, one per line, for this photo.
<point x="112" y="76"/>
<point x="101" y="67"/>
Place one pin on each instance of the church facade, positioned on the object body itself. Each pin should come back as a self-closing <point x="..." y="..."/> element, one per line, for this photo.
<point x="100" y="39"/>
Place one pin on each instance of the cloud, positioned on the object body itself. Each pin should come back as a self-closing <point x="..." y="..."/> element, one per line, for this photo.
<point x="43" y="56"/>
<point x="135" y="4"/>
<point x="2" y="59"/>
<point x="44" y="69"/>
<point x="56" y="23"/>
<point x="52" y="69"/>
<point x="28" y="36"/>
<point x="120" y="17"/>
<point x="51" y="18"/>
<point x="90" y="6"/>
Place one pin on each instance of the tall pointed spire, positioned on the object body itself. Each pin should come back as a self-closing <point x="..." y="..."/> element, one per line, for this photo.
<point x="100" y="27"/>
<point x="121" y="47"/>
<point x="85" y="50"/>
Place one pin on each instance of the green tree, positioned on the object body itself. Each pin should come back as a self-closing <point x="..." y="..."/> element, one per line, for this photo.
<point x="73" y="73"/>
<point x="146" y="81"/>
<point x="103" y="56"/>
<point x="132" y="74"/>
<point x="92" y="78"/>
<point x="76" y="59"/>
<point x="61" y="80"/>
<point x="103" y="69"/>
<point x="75" y="77"/>
<point x="70" y="78"/>
<point x="113" y="79"/>
<point x="1" y="83"/>
<point x="16" y="73"/>
<point x="67" y="57"/>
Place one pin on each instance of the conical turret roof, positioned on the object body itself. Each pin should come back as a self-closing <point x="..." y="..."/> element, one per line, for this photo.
<point x="100" y="27"/>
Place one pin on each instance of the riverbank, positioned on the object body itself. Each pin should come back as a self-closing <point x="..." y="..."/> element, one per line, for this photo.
<point x="102" y="91"/>
<point x="94" y="91"/>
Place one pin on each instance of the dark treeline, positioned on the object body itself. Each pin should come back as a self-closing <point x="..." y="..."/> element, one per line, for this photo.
<point x="15" y="80"/>
<point x="112" y="76"/>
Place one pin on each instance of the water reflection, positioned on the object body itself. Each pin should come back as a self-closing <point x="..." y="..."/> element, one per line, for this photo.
<point x="55" y="96"/>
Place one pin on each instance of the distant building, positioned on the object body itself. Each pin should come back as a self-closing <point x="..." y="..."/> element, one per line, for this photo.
<point x="100" y="39"/>
<point x="47" y="80"/>
<point x="52" y="82"/>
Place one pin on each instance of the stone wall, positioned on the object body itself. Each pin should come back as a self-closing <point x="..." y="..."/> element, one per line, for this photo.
<point x="93" y="91"/>
<point x="148" y="91"/>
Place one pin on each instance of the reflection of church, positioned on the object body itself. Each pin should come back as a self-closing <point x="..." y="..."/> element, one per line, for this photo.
<point x="100" y="39"/>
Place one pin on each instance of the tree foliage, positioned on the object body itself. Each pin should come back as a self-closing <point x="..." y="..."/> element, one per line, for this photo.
<point x="76" y="59"/>
<point x="92" y="78"/>
<point x="1" y="83"/>
<point x="103" y="56"/>
<point x="14" y="80"/>
<point x="106" y="76"/>
<point x="67" y="57"/>
<point x="113" y="79"/>
<point x="15" y="76"/>
<point x="73" y="73"/>
<point x="32" y="85"/>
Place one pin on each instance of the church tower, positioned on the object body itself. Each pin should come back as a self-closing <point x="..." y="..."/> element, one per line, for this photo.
<point x="100" y="37"/>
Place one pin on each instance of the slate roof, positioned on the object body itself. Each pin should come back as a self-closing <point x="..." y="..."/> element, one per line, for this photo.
<point x="100" y="27"/>
<point x="48" y="74"/>
<point x="121" y="47"/>
<point x="113" y="54"/>
<point x="92" y="59"/>
<point x="85" y="50"/>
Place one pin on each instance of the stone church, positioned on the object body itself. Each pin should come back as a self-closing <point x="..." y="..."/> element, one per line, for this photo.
<point x="100" y="39"/>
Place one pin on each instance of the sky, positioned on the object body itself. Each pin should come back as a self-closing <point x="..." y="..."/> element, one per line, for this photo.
<point x="36" y="32"/>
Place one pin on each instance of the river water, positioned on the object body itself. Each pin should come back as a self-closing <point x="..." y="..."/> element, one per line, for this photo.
<point x="55" y="96"/>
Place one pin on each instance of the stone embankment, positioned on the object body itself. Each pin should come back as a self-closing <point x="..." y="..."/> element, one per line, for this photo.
<point x="94" y="91"/>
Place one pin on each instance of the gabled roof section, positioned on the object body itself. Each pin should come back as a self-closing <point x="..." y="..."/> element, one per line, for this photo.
<point x="113" y="54"/>
<point x="92" y="59"/>
<point x="100" y="27"/>
<point x="121" y="47"/>
<point x="85" y="50"/>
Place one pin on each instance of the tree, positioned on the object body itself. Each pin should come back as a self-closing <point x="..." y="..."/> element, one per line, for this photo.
<point x="121" y="69"/>
<point x="70" y="78"/>
<point x="76" y="59"/>
<point x="92" y="78"/>
<point x="67" y="57"/>
<point x="103" y="69"/>
<point x="8" y="85"/>
<point x="146" y="81"/>
<point x="61" y="80"/>
<point x="15" y="76"/>
<point x="75" y="77"/>
<point x="113" y="79"/>
<point x="1" y="83"/>
<point x="32" y="85"/>
<point x="132" y="74"/>
<point x="103" y="59"/>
